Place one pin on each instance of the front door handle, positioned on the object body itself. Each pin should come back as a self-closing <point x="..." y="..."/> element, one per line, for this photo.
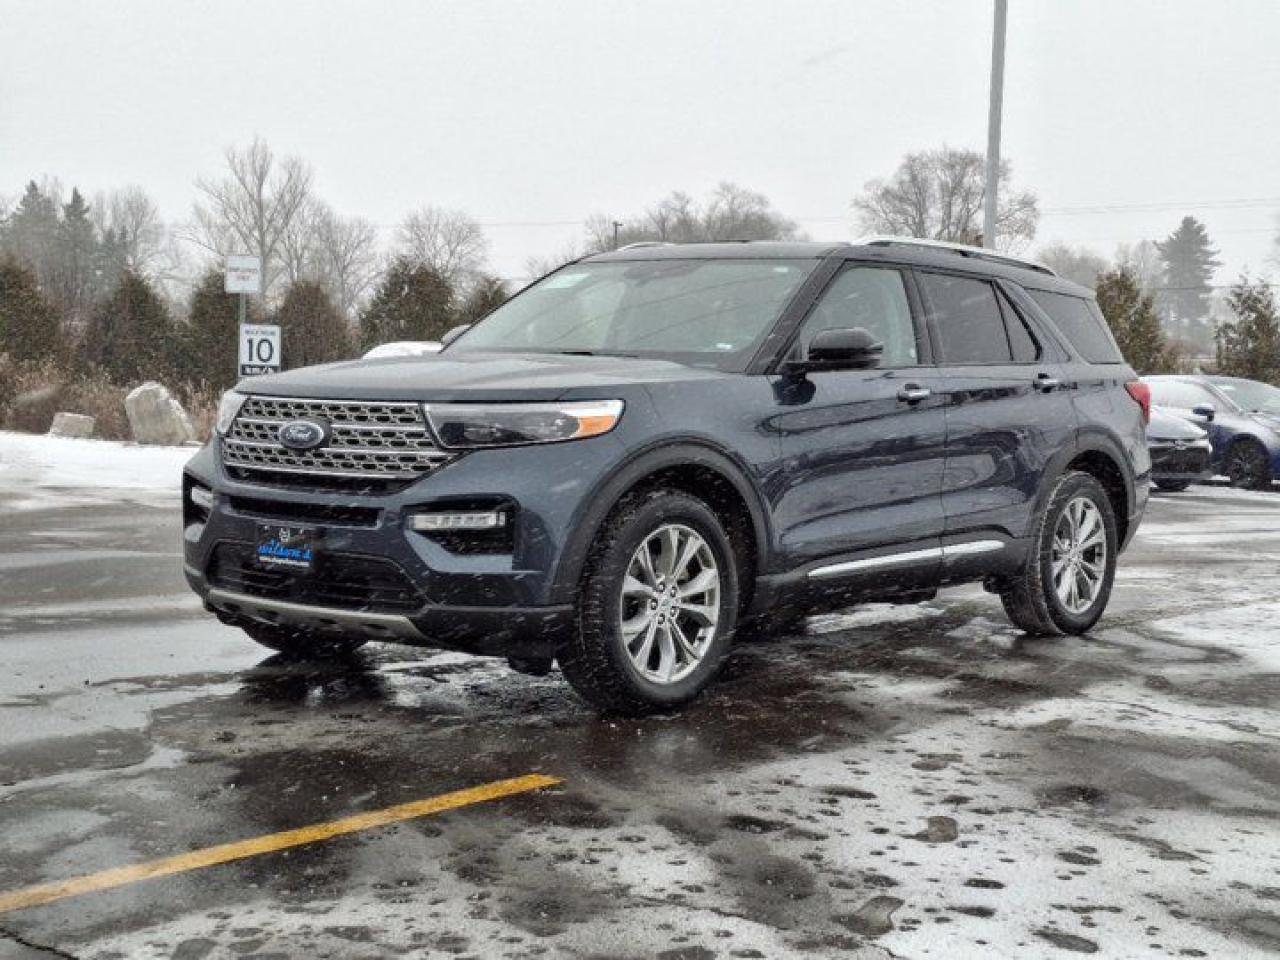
<point x="1047" y="384"/>
<point x="914" y="393"/>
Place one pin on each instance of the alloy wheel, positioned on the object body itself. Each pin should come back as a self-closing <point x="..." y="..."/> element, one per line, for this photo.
<point x="670" y="603"/>
<point x="1079" y="555"/>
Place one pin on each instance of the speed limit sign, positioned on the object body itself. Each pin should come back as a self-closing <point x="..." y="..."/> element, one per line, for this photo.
<point x="259" y="348"/>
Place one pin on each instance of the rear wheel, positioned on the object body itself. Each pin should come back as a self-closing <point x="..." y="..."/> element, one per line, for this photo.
<point x="1173" y="486"/>
<point x="657" y="605"/>
<point x="298" y="644"/>
<point x="1247" y="465"/>
<point x="1065" y="583"/>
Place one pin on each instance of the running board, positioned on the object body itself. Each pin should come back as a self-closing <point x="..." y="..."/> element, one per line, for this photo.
<point x="945" y="552"/>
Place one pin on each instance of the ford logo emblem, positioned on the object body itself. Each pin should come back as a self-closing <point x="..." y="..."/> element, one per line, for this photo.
<point x="303" y="434"/>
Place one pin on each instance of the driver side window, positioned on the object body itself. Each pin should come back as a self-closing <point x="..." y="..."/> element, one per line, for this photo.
<point x="874" y="298"/>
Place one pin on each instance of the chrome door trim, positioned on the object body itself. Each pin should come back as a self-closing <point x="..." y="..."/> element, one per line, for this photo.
<point x="907" y="557"/>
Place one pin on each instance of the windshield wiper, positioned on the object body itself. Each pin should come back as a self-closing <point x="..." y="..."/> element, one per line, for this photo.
<point x="592" y="353"/>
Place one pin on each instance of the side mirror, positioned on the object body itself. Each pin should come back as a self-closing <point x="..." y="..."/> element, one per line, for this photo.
<point x="453" y="333"/>
<point x="847" y="349"/>
<point x="1206" y="410"/>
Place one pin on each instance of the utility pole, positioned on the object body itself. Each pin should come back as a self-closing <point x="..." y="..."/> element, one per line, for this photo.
<point x="617" y="225"/>
<point x="991" y="187"/>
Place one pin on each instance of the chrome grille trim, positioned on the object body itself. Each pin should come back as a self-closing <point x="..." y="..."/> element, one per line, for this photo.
<point x="379" y="440"/>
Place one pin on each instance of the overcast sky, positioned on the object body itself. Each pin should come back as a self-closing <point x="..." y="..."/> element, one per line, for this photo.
<point x="544" y="112"/>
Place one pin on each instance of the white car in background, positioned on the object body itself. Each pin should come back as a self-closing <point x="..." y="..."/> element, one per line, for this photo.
<point x="404" y="348"/>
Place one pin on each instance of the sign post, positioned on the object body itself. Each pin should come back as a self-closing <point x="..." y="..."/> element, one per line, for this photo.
<point x="259" y="342"/>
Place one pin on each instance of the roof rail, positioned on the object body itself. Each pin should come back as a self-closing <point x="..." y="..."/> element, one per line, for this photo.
<point x="645" y="243"/>
<point x="961" y="249"/>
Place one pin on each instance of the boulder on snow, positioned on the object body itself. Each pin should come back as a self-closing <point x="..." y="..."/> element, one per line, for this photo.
<point x="76" y="425"/>
<point x="155" y="417"/>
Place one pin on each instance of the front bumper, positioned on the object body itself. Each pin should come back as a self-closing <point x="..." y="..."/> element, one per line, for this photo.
<point x="501" y="600"/>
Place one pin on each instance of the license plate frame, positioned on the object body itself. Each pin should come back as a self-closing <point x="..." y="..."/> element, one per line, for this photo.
<point x="286" y="546"/>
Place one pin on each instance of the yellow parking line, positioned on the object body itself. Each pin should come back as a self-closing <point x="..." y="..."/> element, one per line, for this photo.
<point x="225" y="852"/>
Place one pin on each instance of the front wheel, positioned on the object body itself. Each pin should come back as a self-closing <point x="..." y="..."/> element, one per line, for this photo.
<point x="1065" y="582"/>
<point x="657" y="605"/>
<point x="1247" y="465"/>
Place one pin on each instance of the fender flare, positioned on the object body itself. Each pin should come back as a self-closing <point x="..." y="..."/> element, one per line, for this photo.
<point x="1090" y="441"/>
<point x="680" y="452"/>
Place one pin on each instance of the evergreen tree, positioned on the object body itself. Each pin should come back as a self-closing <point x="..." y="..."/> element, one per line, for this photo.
<point x="1249" y="346"/>
<point x="1189" y="262"/>
<point x="209" y="350"/>
<point x="311" y="329"/>
<point x="413" y="302"/>
<point x="485" y="296"/>
<point x="131" y="335"/>
<point x="29" y="328"/>
<point x="74" y="284"/>
<point x="32" y="233"/>
<point x="1134" y="322"/>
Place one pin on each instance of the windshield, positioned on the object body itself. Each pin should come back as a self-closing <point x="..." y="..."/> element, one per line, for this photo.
<point x="711" y="313"/>
<point x="1251" y="396"/>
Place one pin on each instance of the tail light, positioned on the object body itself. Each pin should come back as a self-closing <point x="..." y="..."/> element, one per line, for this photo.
<point x="1141" y="393"/>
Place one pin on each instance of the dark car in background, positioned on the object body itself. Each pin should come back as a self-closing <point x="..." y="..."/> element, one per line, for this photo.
<point x="1242" y="418"/>
<point x="1180" y="451"/>
<point x="648" y="448"/>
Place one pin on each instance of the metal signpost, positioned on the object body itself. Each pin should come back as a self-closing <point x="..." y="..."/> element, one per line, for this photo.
<point x="259" y="342"/>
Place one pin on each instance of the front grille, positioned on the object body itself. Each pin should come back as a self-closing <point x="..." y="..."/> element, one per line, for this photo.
<point x="345" y="581"/>
<point x="373" y="442"/>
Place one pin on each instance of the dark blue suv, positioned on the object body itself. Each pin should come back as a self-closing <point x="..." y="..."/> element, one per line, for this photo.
<point x="651" y="450"/>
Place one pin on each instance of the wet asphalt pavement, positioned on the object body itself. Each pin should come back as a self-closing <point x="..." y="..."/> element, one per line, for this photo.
<point x="895" y="781"/>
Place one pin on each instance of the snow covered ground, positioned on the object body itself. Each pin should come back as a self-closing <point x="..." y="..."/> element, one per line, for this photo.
<point x="38" y="471"/>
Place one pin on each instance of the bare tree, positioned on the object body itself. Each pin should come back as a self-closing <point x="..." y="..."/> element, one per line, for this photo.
<point x="133" y="220"/>
<point x="731" y="212"/>
<point x="1142" y="259"/>
<point x="938" y="195"/>
<point x="253" y="207"/>
<point x="1078" y="264"/>
<point x="447" y="241"/>
<point x="346" y="251"/>
<point x="298" y="248"/>
<point x="540" y="265"/>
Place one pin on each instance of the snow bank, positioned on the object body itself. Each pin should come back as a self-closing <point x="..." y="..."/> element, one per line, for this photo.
<point x="39" y="471"/>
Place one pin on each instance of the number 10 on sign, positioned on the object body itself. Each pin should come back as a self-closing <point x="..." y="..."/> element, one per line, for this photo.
<point x="259" y="348"/>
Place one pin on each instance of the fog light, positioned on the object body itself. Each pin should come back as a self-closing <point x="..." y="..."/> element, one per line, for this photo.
<point x="202" y="498"/>
<point x="459" y="520"/>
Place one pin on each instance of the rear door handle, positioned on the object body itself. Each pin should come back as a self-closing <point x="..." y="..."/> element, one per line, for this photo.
<point x="1047" y="384"/>
<point x="914" y="393"/>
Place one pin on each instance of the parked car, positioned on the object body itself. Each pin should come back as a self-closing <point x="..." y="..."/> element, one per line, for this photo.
<point x="1180" y="451"/>
<point x="649" y="448"/>
<point x="403" y="348"/>
<point x="1242" y="418"/>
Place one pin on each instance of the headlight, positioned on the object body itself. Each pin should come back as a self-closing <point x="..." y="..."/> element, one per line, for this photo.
<point x="227" y="410"/>
<point x="462" y="425"/>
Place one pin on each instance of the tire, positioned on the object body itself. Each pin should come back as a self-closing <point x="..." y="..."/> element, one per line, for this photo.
<point x="1031" y="597"/>
<point x="617" y="666"/>
<point x="299" y="644"/>
<point x="1173" y="486"/>
<point x="1248" y="466"/>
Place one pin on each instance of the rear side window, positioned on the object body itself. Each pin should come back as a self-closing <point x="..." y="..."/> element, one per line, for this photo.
<point x="1021" y="341"/>
<point x="969" y="320"/>
<point x="1082" y="323"/>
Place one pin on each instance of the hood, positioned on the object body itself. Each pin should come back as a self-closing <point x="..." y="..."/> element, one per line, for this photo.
<point x="473" y="377"/>
<point x="1166" y="426"/>
<point x="1268" y="419"/>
